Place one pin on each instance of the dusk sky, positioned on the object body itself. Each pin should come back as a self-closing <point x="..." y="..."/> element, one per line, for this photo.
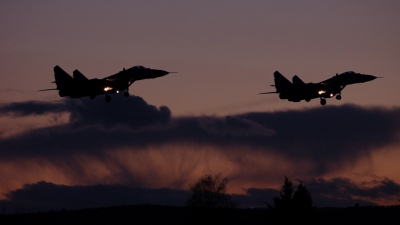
<point x="208" y="118"/>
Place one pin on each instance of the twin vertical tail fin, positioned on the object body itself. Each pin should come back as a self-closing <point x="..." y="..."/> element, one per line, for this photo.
<point x="78" y="76"/>
<point x="281" y="82"/>
<point x="297" y="80"/>
<point x="62" y="77"/>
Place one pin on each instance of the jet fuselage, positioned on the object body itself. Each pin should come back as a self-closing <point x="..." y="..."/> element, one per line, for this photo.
<point x="298" y="90"/>
<point x="79" y="86"/>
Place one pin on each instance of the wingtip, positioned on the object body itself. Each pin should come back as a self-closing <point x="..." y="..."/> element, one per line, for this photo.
<point x="51" y="89"/>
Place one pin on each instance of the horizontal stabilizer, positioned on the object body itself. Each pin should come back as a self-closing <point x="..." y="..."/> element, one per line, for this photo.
<point x="297" y="80"/>
<point x="79" y="76"/>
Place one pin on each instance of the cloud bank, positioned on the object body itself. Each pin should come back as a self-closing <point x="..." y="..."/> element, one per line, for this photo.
<point x="130" y="142"/>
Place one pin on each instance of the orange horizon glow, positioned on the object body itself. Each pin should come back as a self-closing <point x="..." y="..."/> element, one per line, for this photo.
<point x="185" y="166"/>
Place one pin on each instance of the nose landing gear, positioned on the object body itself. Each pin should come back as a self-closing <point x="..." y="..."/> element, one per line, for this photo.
<point x="108" y="98"/>
<point x="126" y="93"/>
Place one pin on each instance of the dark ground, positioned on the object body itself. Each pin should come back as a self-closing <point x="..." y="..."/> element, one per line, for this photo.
<point x="153" y="214"/>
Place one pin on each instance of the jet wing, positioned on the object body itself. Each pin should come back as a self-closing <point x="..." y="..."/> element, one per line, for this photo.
<point x="116" y="77"/>
<point x="272" y="92"/>
<point x="50" y="89"/>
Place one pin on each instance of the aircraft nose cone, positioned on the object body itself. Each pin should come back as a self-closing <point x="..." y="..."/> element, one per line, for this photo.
<point x="166" y="72"/>
<point x="160" y="73"/>
<point x="163" y="72"/>
<point x="368" y="78"/>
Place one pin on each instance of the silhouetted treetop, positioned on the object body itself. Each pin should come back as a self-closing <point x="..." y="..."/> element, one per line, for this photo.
<point x="293" y="205"/>
<point x="209" y="192"/>
<point x="302" y="198"/>
<point x="285" y="195"/>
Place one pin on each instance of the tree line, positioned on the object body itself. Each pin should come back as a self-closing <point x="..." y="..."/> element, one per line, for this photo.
<point x="293" y="204"/>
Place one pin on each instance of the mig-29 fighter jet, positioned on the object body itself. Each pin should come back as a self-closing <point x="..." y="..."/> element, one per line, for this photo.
<point x="79" y="86"/>
<point x="298" y="90"/>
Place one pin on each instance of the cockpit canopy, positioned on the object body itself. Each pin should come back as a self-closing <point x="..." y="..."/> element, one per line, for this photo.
<point x="139" y="67"/>
<point x="349" y="73"/>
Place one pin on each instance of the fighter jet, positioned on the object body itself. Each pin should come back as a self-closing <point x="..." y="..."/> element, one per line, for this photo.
<point x="79" y="86"/>
<point x="298" y="90"/>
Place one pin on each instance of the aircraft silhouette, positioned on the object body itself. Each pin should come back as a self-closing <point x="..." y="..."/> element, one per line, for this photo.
<point x="79" y="86"/>
<point x="298" y="90"/>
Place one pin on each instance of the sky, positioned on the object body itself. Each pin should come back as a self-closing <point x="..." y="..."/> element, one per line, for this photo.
<point x="208" y="118"/>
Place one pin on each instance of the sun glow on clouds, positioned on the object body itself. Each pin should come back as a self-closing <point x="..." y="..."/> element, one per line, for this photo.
<point x="14" y="174"/>
<point x="170" y="166"/>
<point x="178" y="166"/>
<point x="10" y="125"/>
<point x="88" y="143"/>
<point x="174" y="166"/>
<point x="386" y="161"/>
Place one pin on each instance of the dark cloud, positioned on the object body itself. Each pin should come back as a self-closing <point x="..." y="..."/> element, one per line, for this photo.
<point x="31" y="108"/>
<point x="326" y="136"/>
<point x="259" y="198"/>
<point x="93" y="125"/>
<point x="342" y="192"/>
<point x="336" y="192"/>
<point x="338" y="134"/>
<point x="255" y="198"/>
<point x="44" y="196"/>
<point x="234" y="126"/>
<point x="133" y="112"/>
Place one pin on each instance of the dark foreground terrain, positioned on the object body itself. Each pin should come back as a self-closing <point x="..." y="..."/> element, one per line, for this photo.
<point x="152" y="214"/>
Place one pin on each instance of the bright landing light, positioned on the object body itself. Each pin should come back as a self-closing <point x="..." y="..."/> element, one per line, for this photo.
<point x="107" y="88"/>
<point x="321" y="92"/>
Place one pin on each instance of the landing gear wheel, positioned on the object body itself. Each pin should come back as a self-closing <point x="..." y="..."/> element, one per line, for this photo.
<point x="308" y="100"/>
<point x="323" y="101"/>
<point x="108" y="98"/>
<point x="126" y="94"/>
<point x="338" y="97"/>
<point x="92" y="96"/>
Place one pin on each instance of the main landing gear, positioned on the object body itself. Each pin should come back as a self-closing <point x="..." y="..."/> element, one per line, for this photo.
<point x="108" y="98"/>
<point x="323" y="101"/>
<point x="126" y="93"/>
